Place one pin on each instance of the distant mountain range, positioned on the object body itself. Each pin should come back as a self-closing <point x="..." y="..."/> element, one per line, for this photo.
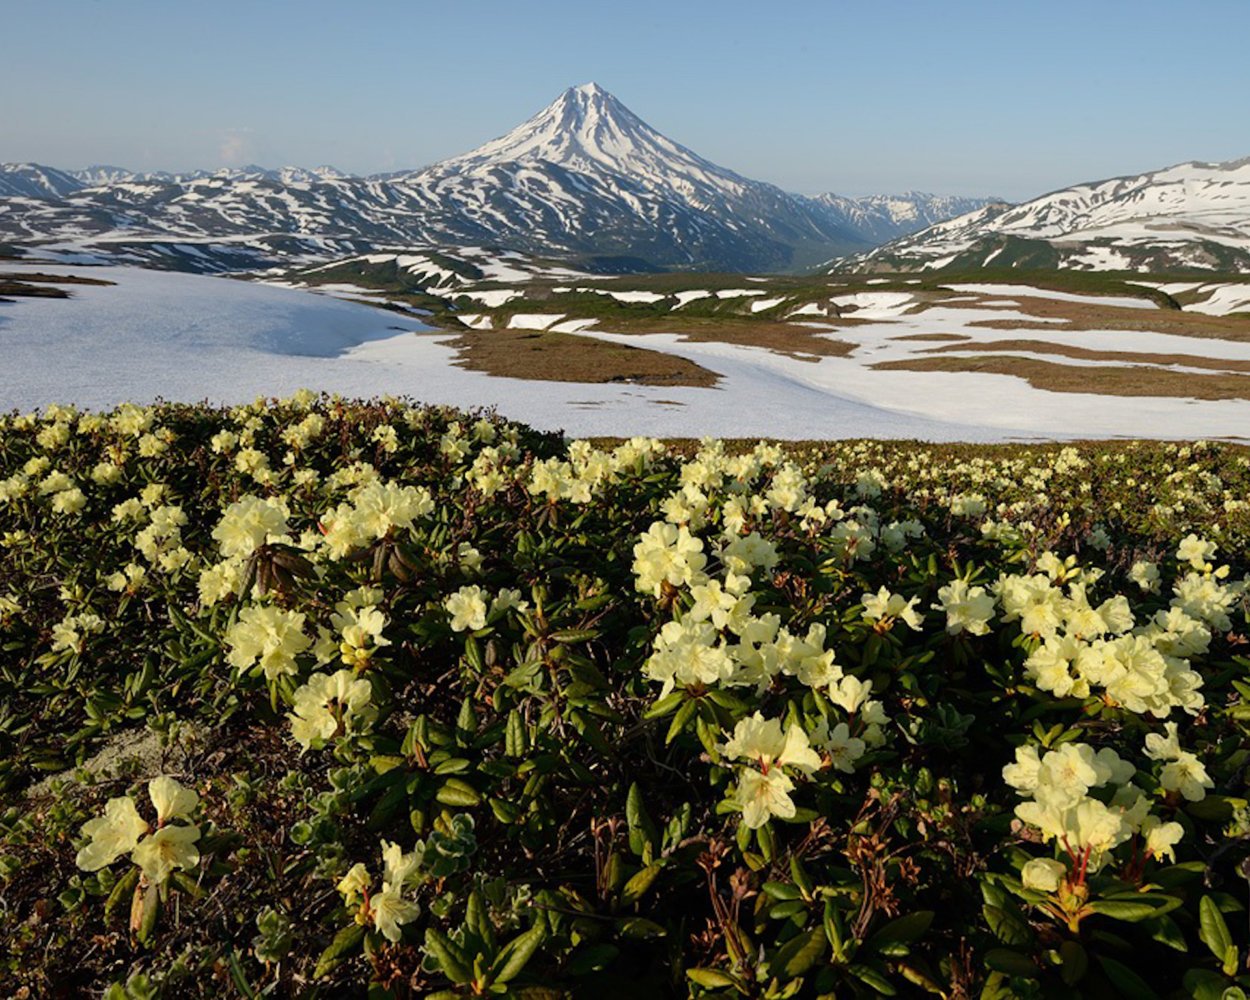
<point x="584" y="178"/>
<point x="1190" y="217"/>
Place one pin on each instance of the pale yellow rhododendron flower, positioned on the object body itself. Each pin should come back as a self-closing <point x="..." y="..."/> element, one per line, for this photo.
<point x="1146" y="575"/>
<point x="968" y="609"/>
<point x="468" y="608"/>
<point x="885" y="608"/>
<point x="386" y="910"/>
<point x="354" y="884"/>
<point x="763" y="795"/>
<point x="762" y="742"/>
<point x="112" y="835"/>
<point x="398" y="868"/>
<point x="1162" y="838"/>
<point x="159" y="853"/>
<point x="690" y="654"/>
<point x="329" y="705"/>
<point x="843" y="748"/>
<point x="269" y="636"/>
<point x="1043" y="874"/>
<point x="1196" y="551"/>
<point x="171" y="799"/>
<point x="381" y="507"/>
<point x="247" y="524"/>
<point x="169" y="848"/>
<point x="667" y="554"/>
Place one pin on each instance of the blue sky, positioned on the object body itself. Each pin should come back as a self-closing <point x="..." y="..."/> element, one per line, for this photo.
<point x="1011" y="98"/>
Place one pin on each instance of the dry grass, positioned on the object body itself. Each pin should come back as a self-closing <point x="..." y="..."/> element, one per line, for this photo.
<point x="931" y="337"/>
<point x="1092" y="316"/>
<point x="1087" y="354"/>
<point x="37" y="285"/>
<point x="38" y="277"/>
<point x="790" y="339"/>
<point x="544" y="356"/>
<point x="1103" y="380"/>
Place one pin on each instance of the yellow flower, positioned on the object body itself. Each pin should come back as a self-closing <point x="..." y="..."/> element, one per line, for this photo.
<point x="330" y="704"/>
<point x="247" y="524"/>
<point x="467" y="608"/>
<point x="354" y="884"/>
<point x="171" y="799"/>
<point x="1043" y="874"/>
<point x="112" y="834"/>
<point x="764" y="795"/>
<point x="267" y="635"/>
<point x="169" y="848"/>
<point x="762" y="742"/>
<point x="390" y="910"/>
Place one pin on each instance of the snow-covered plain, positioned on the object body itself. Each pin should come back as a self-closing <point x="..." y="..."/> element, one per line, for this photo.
<point x="192" y="337"/>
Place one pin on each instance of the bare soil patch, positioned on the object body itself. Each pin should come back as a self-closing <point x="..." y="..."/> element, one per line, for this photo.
<point x="1080" y="316"/>
<point x="1088" y="354"/>
<point x="1104" y="380"/>
<point x="37" y="285"/>
<point x="38" y="277"/>
<point x="544" y="356"/>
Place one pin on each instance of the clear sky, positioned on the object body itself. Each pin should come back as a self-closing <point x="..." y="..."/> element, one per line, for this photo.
<point x="1010" y="98"/>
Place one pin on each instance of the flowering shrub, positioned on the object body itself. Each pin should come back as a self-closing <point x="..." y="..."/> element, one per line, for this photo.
<point x="437" y="705"/>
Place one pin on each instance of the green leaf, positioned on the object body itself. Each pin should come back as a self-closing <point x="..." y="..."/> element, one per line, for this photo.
<point x="712" y="979"/>
<point x="870" y="976"/>
<point x="1215" y="808"/>
<point x="1075" y="962"/>
<point x="783" y="891"/>
<point x="1013" y="963"/>
<point x="574" y="635"/>
<point x="902" y="930"/>
<point x="1124" y="910"/>
<point x="125" y="887"/>
<point x="1124" y="979"/>
<point x="143" y="913"/>
<point x="1166" y="931"/>
<point x="798" y="955"/>
<point x="680" y="719"/>
<point x="346" y="940"/>
<point x="1007" y="924"/>
<point x="637" y="886"/>
<point x="1212" y="928"/>
<point x="516" y="953"/>
<point x="642" y="830"/>
<point x="454" y="963"/>
<point x="456" y="792"/>
<point x="640" y="929"/>
<point x="591" y="958"/>
<point x="1203" y="984"/>
<point x="800" y="876"/>
<point x="665" y="705"/>
<point x="236" y="974"/>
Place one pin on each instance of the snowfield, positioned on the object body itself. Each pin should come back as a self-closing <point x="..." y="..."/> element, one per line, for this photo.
<point x="189" y="337"/>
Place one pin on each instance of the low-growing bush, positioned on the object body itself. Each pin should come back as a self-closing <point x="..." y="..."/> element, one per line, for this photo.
<point x="320" y="698"/>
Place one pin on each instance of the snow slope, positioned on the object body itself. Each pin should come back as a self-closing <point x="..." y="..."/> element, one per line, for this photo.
<point x="1190" y="216"/>
<point x="192" y="337"/>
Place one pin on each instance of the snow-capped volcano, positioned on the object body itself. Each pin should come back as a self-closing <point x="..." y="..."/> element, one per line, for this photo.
<point x="1193" y="216"/>
<point x="587" y="129"/>
<point x="587" y="172"/>
<point x="584" y="177"/>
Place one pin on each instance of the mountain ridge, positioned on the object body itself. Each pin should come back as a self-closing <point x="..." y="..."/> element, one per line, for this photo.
<point x="585" y="175"/>
<point x="1193" y="215"/>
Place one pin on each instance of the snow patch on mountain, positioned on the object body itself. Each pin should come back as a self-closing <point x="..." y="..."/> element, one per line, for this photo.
<point x="1193" y="216"/>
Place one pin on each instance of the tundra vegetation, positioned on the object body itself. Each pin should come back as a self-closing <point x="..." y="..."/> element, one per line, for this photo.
<point x="321" y="698"/>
